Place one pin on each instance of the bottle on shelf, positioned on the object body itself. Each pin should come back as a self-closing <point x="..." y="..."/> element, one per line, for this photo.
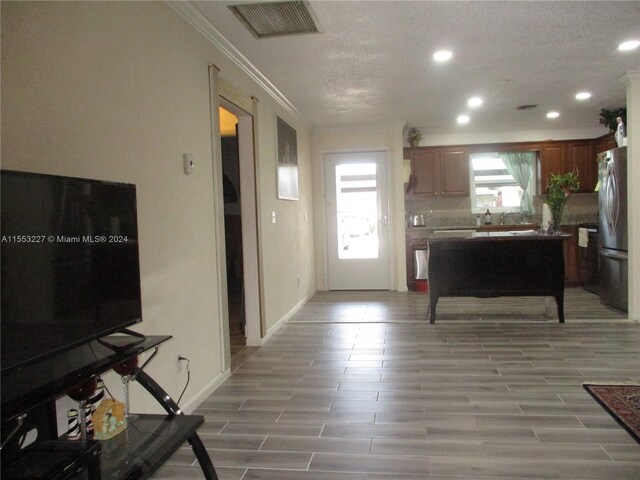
<point x="487" y="218"/>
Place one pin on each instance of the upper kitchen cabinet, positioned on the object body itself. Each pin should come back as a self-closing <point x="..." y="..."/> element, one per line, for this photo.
<point x="568" y="156"/>
<point x="439" y="170"/>
<point x="424" y="167"/>
<point x="605" y="142"/>
<point x="551" y="162"/>
<point x="581" y="158"/>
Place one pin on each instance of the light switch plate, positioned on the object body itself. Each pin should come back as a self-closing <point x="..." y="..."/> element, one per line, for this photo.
<point x="187" y="161"/>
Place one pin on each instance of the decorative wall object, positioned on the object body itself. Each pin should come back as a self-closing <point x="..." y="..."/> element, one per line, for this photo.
<point x="287" y="161"/>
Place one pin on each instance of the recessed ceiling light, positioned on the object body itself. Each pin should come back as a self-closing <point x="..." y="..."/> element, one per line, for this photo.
<point x="583" y="95"/>
<point x="629" y="45"/>
<point x="462" y="119"/>
<point x="475" y="102"/>
<point x="442" y="55"/>
<point x="553" y="115"/>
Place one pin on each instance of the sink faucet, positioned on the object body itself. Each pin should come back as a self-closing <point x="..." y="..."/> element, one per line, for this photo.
<point x="503" y="217"/>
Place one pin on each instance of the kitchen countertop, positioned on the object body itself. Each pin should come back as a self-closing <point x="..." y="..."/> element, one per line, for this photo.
<point x="424" y="234"/>
<point x="493" y="226"/>
<point x="497" y="236"/>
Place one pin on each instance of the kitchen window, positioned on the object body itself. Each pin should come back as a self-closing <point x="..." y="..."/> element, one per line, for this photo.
<point x="493" y="187"/>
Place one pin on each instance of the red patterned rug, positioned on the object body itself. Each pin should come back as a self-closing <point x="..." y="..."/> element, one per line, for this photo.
<point x="622" y="402"/>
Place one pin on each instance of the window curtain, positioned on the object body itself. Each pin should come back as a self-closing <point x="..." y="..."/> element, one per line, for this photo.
<point x="519" y="165"/>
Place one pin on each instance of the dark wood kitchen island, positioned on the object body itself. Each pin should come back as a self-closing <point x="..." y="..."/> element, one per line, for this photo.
<point x="497" y="264"/>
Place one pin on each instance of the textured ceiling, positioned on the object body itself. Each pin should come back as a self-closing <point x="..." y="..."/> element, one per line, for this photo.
<point x="374" y="60"/>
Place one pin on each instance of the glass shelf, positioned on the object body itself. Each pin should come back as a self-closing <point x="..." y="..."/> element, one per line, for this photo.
<point x="145" y="445"/>
<point x="134" y="454"/>
<point x="53" y="460"/>
<point x="40" y="382"/>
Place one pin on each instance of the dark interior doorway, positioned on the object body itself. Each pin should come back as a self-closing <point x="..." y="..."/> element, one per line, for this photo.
<point x="233" y="229"/>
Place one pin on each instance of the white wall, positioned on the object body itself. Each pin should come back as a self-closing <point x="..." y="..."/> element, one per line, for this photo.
<point x="288" y="244"/>
<point x="382" y="138"/>
<point x="632" y="81"/>
<point x="119" y="91"/>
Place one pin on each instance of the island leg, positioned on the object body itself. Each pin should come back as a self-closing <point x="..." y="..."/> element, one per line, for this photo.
<point x="560" y="302"/>
<point x="433" y="300"/>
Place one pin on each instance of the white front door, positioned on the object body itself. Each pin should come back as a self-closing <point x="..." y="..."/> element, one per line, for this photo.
<point x="358" y="236"/>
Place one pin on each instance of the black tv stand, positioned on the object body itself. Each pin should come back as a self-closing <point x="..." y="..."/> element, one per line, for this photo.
<point x="136" y="453"/>
<point x="123" y="342"/>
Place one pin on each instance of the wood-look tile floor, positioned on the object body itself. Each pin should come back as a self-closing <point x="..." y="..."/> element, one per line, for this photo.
<point x="472" y="399"/>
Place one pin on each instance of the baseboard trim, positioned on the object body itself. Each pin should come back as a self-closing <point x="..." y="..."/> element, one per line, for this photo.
<point x="258" y="342"/>
<point x="203" y="394"/>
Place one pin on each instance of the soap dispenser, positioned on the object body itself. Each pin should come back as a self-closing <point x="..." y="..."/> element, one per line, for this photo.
<point x="487" y="218"/>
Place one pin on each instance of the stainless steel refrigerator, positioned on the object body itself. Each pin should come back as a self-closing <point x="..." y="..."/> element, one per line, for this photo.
<point x="612" y="233"/>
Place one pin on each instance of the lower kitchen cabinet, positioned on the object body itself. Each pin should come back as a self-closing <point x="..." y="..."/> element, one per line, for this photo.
<point x="571" y="256"/>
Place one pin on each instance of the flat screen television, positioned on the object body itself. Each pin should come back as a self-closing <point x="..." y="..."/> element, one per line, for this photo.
<point x="70" y="265"/>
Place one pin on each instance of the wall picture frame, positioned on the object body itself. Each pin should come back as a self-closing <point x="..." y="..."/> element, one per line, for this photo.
<point x="287" y="161"/>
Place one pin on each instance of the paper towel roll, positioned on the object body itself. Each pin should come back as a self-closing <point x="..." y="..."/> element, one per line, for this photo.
<point x="547" y="218"/>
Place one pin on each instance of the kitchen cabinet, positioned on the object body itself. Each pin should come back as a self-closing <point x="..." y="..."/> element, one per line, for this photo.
<point x="604" y="143"/>
<point x="571" y="256"/>
<point x="562" y="157"/>
<point x="439" y="171"/>
<point x="426" y="233"/>
<point x="551" y="163"/>
<point x="496" y="264"/>
<point x="581" y="158"/>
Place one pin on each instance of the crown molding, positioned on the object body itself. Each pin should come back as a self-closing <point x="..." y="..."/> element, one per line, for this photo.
<point x="630" y="76"/>
<point x="356" y="127"/>
<point x="211" y="33"/>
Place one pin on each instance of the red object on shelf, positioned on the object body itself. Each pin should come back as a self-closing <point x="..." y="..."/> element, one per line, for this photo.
<point x="84" y="390"/>
<point x="128" y="366"/>
<point x="422" y="286"/>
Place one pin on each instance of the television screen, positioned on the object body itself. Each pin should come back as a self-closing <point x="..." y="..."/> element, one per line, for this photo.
<point x="70" y="268"/>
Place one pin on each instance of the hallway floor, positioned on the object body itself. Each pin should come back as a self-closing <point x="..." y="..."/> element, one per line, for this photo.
<point x="470" y="397"/>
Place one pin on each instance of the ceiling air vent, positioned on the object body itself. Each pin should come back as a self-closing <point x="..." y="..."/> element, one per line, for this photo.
<point x="276" y="19"/>
<point x="526" y="107"/>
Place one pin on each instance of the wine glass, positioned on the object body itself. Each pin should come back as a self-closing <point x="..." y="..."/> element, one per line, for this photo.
<point x="125" y="369"/>
<point x="81" y="394"/>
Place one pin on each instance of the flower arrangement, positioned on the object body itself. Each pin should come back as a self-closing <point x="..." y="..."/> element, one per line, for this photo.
<point x="558" y="190"/>
<point x="414" y="137"/>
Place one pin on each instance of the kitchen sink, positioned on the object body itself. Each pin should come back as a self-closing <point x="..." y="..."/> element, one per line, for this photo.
<point x="507" y="227"/>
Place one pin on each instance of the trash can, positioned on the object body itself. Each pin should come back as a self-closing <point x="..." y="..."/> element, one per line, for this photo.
<point x="421" y="269"/>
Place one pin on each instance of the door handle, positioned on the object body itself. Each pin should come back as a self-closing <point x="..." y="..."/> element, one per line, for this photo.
<point x="614" y="255"/>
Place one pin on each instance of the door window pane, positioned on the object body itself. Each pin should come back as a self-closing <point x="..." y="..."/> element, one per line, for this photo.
<point x="357" y="210"/>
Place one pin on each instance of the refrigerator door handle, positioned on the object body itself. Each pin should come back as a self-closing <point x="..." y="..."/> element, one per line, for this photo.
<point x="611" y="198"/>
<point x="614" y="254"/>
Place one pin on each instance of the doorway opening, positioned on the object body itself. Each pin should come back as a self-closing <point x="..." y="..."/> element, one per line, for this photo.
<point x="233" y="230"/>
